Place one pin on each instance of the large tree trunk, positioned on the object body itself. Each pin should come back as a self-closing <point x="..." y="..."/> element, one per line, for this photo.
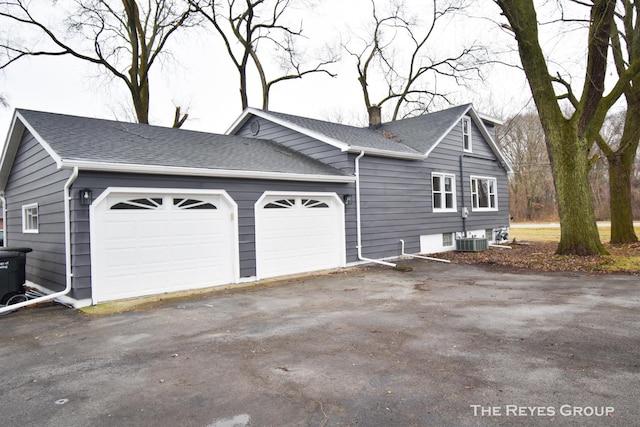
<point x="620" y="170"/>
<point x="578" y="229"/>
<point x="621" y="164"/>
<point x="566" y="145"/>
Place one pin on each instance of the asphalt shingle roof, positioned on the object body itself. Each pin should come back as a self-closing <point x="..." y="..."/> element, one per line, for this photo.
<point x="350" y="135"/>
<point x="415" y="135"/>
<point x="105" y="141"/>
<point x="422" y="132"/>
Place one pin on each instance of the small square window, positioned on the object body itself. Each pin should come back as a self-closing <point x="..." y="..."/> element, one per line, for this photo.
<point x="30" y="221"/>
<point x="488" y="234"/>
<point x="447" y="239"/>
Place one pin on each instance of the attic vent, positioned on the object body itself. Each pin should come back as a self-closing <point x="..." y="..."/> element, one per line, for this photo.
<point x="254" y="127"/>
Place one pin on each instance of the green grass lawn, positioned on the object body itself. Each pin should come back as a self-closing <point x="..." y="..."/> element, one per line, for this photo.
<point x="553" y="234"/>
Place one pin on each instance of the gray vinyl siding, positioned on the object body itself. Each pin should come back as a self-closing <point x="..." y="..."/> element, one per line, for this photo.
<point x="302" y="143"/>
<point x="394" y="205"/>
<point x="245" y="193"/>
<point x="397" y="196"/>
<point x="34" y="178"/>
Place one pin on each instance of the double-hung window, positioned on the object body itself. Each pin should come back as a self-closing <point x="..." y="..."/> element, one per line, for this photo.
<point x="466" y="134"/>
<point x="443" y="189"/>
<point x="484" y="193"/>
<point x="30" y="218"/>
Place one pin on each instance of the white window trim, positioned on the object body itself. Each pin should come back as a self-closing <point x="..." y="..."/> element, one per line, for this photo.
<point x="466" y="120"/>
<point x="449" y="236"/>
<point x="26" y="208"/>
<point x="454" y="196"/>
<point x="495" y="187"/>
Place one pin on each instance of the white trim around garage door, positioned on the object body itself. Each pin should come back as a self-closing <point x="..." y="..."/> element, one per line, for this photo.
<point x="221" y="214"/>
<point x="299" y="232"/>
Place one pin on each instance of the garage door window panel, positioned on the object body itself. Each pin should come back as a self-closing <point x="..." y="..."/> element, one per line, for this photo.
<point x="281" y="204"/>
<point x="192" y="204"/>
<point x="138" y="204"/>
<point x="310" y="203"/>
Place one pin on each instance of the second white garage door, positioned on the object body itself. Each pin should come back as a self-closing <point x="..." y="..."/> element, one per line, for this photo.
<point x="297" y="233"/>
<point x="152" y="241"/>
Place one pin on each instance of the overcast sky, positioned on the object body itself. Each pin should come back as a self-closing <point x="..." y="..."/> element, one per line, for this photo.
<point x="201" y="79"/>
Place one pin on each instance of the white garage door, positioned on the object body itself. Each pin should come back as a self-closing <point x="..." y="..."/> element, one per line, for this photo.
<point x="297" y="233"/>
<point x="150" y="242"/>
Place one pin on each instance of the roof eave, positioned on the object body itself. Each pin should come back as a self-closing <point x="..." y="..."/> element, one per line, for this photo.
<point x="490" y="119"/>
<point x="249" y="111"/>
<point x="446" y="132"/>
<point x="16" y="132"/>
<point x="385" y="153"/>
<point x="213" y="173"/>
<point x="492" y="143"/>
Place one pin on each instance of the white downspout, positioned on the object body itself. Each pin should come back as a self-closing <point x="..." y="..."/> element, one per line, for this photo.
<point x="4" y="218"/>
<point x="420" y="256"/>
<point x="67" y="251"/>
<point x="358" y="221"/>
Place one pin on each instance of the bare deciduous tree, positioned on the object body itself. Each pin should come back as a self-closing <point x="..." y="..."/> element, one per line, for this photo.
<point x="621" y="152"/>
<point x="399" y="52"/>
<point x="124" y="37"/>
<point x="249" y="27"/>
<point x="532" y="197"/>
<point x="569" y="139"/>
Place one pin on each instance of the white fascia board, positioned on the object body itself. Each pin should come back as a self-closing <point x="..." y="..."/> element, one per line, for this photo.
<point x="241" y="120"/>
<point x="483" y="129"/>
<point x="215" y="173"/>
<point x="385" y="153"/>
<point x="303" y="130"/>
<point x="494" y="146"/>
<point x="12" y="142"/>
<point x="445" y="133"/>
<point x="9" y="150"/>
<point x="41" y="140"/>
<point x="490" y="119"/>
<point x="342" y="146"/>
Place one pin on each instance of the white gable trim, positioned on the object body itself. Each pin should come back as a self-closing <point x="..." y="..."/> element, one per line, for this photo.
<point x="454" y="123"/>
<point x="16" y="131"/>
<point x="40" y="139"/>
<point x="483" y="130"/>
<point x="342" y="146"/>
<point x="265" y="115"/>
<point x="494" y="146"/>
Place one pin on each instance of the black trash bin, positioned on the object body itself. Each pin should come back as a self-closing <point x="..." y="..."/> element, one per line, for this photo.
<point x="12" y="272"/>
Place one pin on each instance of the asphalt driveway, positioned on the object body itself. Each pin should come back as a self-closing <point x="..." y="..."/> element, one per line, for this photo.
<point x="443" y="345"/>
